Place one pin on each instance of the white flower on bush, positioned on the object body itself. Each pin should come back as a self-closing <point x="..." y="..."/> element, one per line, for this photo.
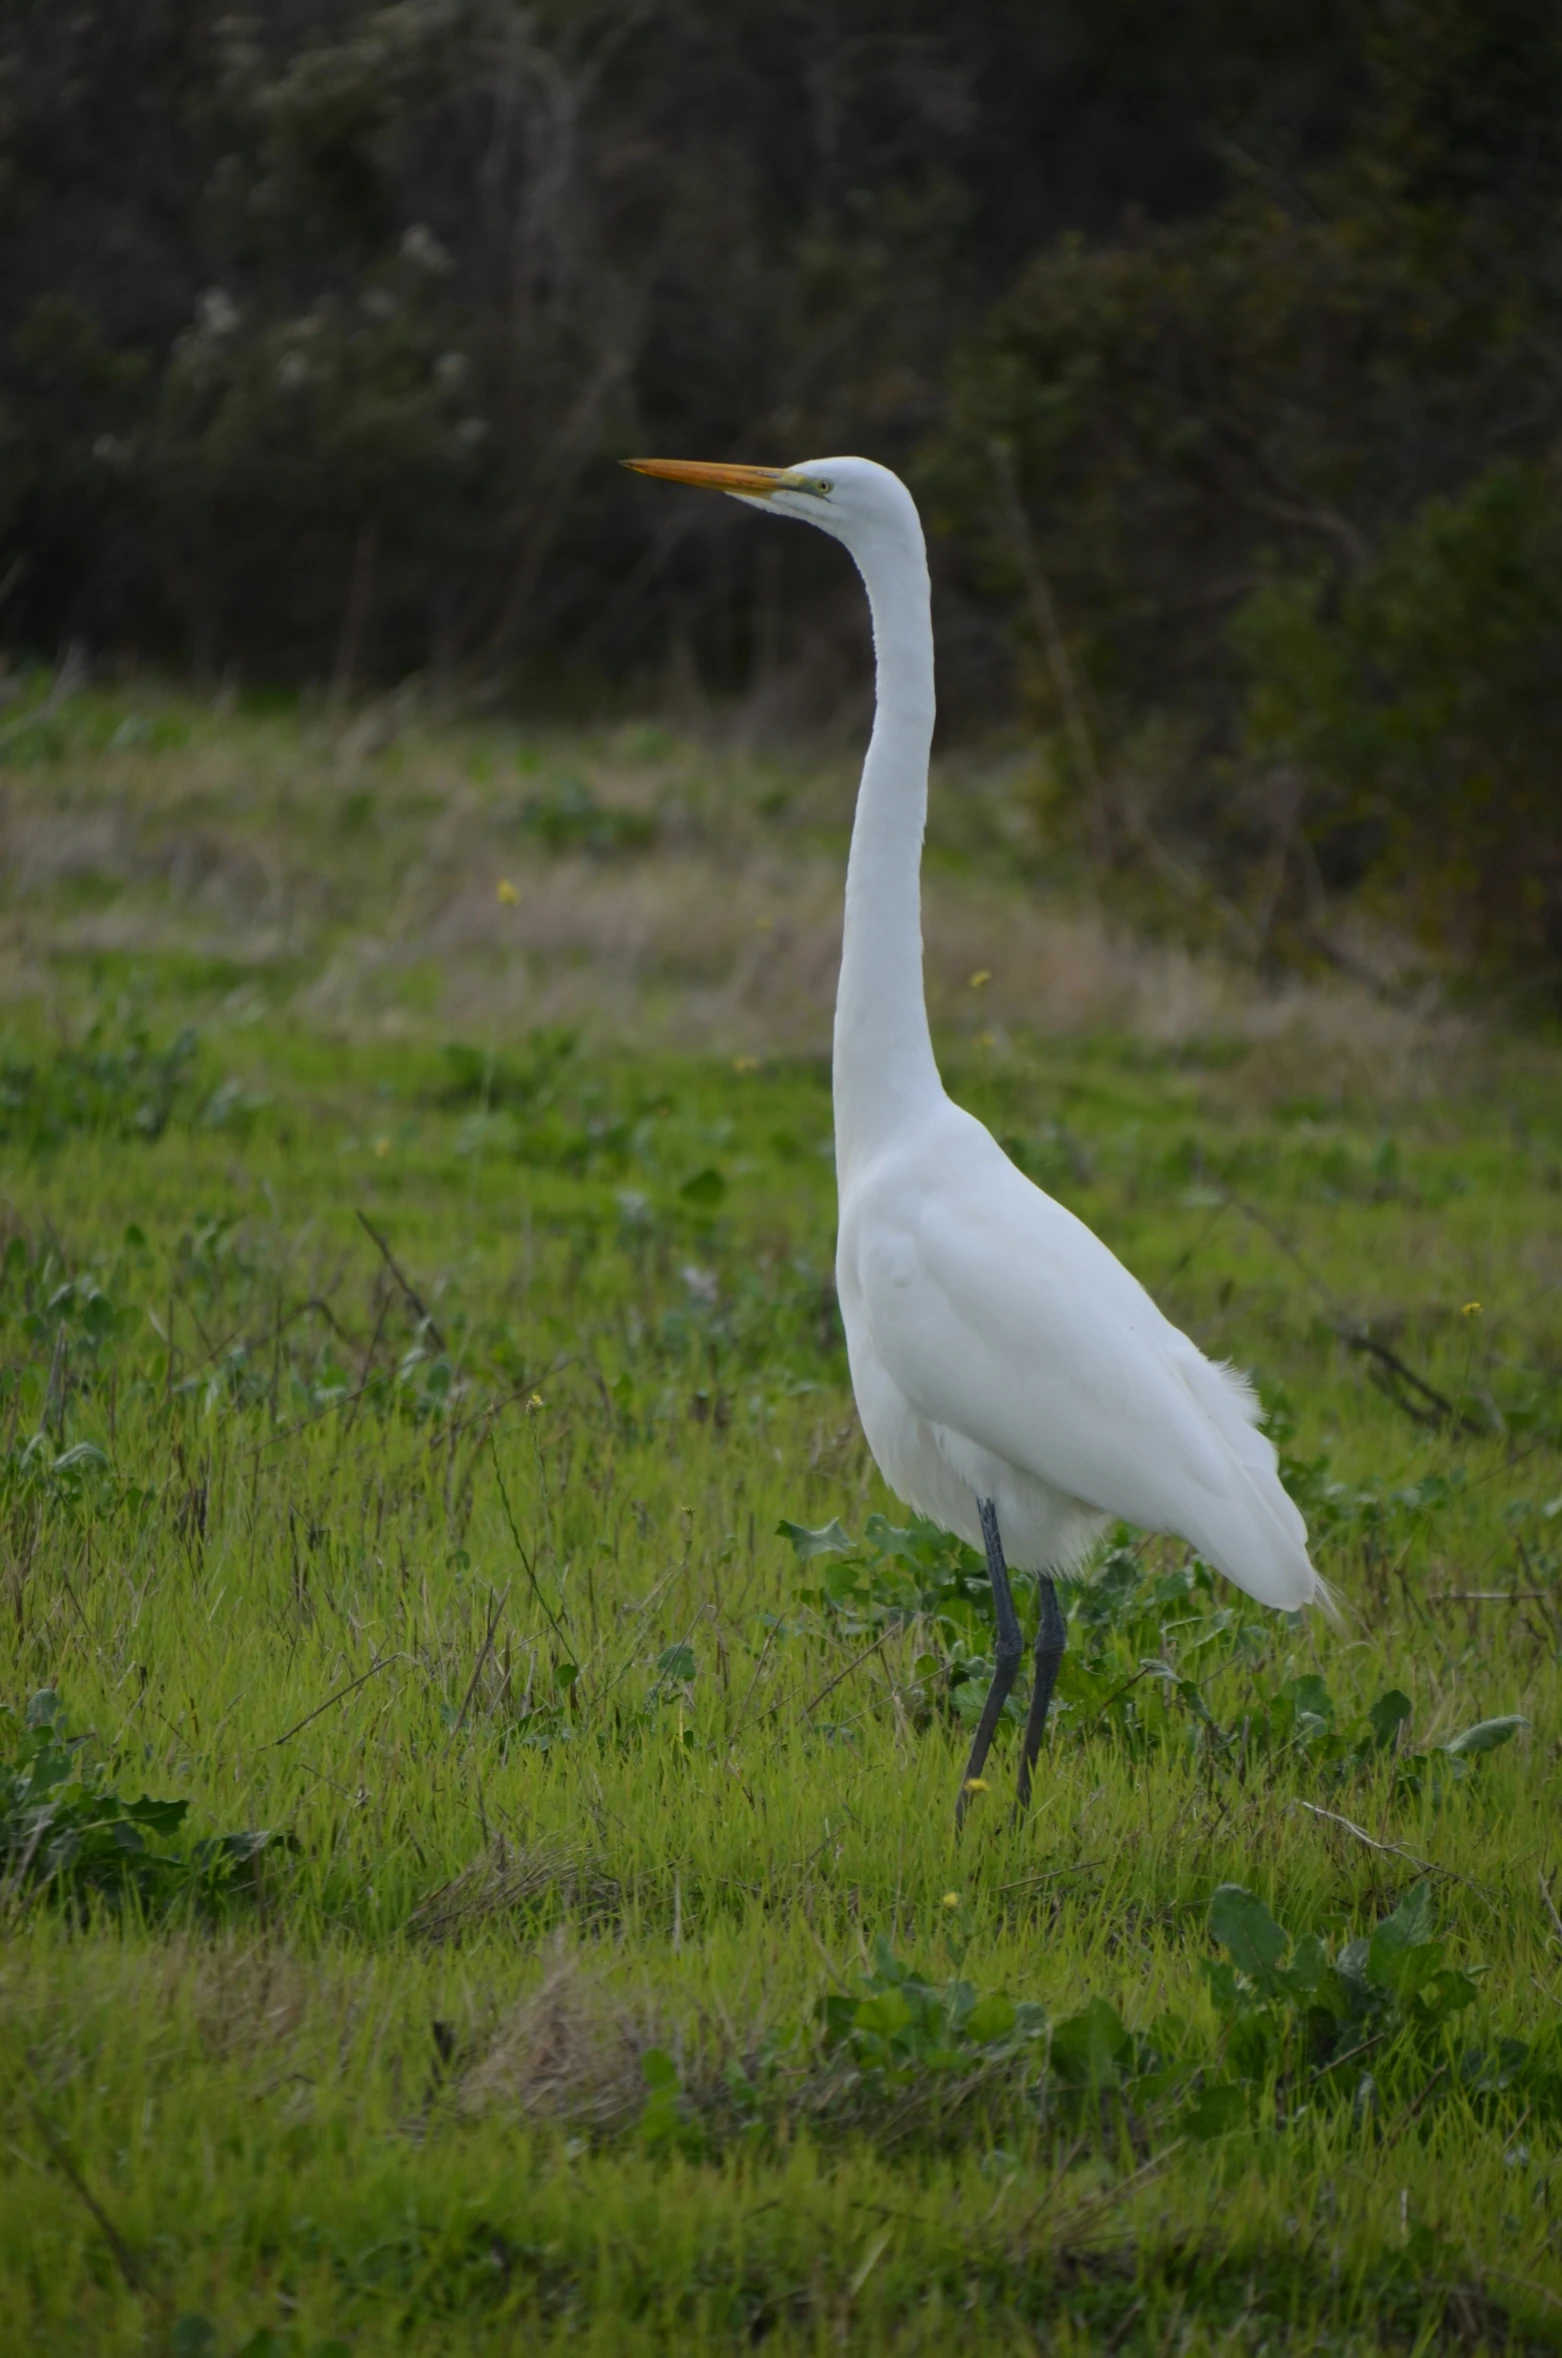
<point x="216" y="313"/>
<point x="421" y="246"/>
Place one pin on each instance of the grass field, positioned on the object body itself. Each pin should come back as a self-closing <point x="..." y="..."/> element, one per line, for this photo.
<point x="474" y="1879"/>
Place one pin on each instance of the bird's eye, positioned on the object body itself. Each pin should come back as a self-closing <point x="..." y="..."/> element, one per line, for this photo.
<point x="825" y="485"/>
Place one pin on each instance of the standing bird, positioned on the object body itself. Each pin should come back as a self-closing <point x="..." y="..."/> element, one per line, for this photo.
<point x="1016" y="1384"/>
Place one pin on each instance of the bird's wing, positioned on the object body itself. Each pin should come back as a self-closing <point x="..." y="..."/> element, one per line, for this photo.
<point x="1001" y="1317"/>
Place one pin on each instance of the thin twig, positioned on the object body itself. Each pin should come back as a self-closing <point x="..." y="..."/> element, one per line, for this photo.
<point x="340" y="1694"/>
<point x="1439" y="2075"/>
<point x="742" y="1719"/>
<point x="440" y="1432"/>
<point x="852" y="1665"/>
<point x="15" y="1882"/>
<point x="1393" y="1849"/>
<point x="1025" y="1883"/>
<point x="520" y="1549"/>
<point x="59" y="2153"/>
<point x="1350" y="2056"/>
<point x="408" y="1288"/>
<point x="1060" y="2172"/>
<point x="834" y="1971"/>
<point x="477" y="1668"/>
<point x="1551" y="1905"/>
<point x="1116" y="1692"/>
<point x="1490" y="1596"/>
<point x="1529" y="2284"/>
<point x="1388" y="1369"/>
<point x="1071" y="2223"/>
<point x="639" y="1613"/>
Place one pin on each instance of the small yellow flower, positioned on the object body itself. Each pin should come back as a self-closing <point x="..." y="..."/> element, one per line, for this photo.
<point x="976" y="1784"/>
<point x="745" y="1064"/>
<point x="536" y="1401"/>
<point x="951" y="1899"/>
<point x="507" y="893"/>
<point x="1471" y="1310"/>
<point x="986" y="1040"/>
<point x="981" y="978"/>
<point x="382" y="1147"/>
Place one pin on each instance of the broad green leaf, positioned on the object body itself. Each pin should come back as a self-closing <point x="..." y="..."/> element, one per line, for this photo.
<point x="838" y="2013"/>
<point x="1223" y="1987"/>
<point x="1411" y="1922"/>
<point x="1387" y="1716"/>
<point x="163" y="1817"/>
<point x="1311" y="1695"/>
<point x="1402" y="1942"/>
<point x="1486" y="1735"/>
<point x="990" y="2019"/>
<point x="705" y="1190"/>
<point x="831" y="1540"/>
<point x="886" y="2014"/>
<point x="1309" y="1963"/>
<point x="1091" y="2047"/>
<point x="1405" y="1971"/>
<point x="1251" y="2044"/>
<point x="1447" y="1991"/>
<point x="1216" y="2110"/>
<point x="1241" y="1923"/>
<point x="959" y="2001"/>
<point x="84" y="1453"/>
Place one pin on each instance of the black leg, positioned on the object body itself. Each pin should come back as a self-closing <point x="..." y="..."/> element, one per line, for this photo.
<point x="1006" y="1655"/>
<point x="1049" y="1653"/>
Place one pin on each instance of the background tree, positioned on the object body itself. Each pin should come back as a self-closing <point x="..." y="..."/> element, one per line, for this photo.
<point x="1290" y="469"/>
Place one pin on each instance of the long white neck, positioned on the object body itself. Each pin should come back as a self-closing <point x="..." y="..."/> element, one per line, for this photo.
<point x="884" y="1071"/>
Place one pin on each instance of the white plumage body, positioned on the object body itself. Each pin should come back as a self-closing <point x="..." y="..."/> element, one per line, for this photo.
<point x="1000" y="1354"/>
<point x="999" y="1350"/>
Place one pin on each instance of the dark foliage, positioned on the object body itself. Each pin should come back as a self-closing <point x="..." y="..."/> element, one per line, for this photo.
<point x="1284" y="478"/>
<point x="64" y="1834"/>
<point x="323" y="326"/>
<point x="320" y="328"/>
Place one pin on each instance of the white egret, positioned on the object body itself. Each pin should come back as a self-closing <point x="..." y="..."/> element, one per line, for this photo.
<point x="1015" y="1383"/>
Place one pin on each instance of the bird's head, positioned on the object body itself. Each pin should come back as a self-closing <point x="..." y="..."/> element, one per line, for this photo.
<point x="851" y="498"/>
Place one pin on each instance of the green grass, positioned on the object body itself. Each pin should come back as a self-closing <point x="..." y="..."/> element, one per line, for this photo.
<point x="443" y="1542"/>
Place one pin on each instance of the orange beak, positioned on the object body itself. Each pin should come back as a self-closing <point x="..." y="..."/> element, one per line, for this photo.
<point x="711" y="475"/>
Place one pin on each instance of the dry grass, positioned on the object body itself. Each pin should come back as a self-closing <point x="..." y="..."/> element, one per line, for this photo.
<point x="352" y="877"/>
<point x="509" y="1877"/>
<point x="570" y="2051"/>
